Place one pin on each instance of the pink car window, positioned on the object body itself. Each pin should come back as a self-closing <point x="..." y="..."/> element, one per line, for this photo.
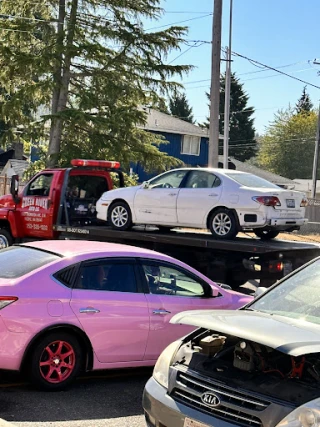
<point x="167" y="280"/>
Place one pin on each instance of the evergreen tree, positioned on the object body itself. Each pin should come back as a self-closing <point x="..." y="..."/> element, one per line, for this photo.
<point x="304" y="104"/>
<point x="242" y="142"/>
<point x="180" y="108"/>
<point x="92" y="64"/>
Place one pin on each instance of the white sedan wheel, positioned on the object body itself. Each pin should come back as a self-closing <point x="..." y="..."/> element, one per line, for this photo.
<point x="223" y="224"/>
<point x="120" y="216"/>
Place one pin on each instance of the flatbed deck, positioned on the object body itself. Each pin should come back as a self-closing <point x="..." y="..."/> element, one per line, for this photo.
<point x="185" y="238"/>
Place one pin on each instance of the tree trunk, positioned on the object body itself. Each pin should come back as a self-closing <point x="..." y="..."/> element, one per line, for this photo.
<point x="57" y="74"/>
<point x="60" y="95"/>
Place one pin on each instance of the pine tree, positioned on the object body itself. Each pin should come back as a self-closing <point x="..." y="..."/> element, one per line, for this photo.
<point x="180" y="108"/>
<point x="92" y="64"/>
<point x="304" y="104"/>
<point x="242" y="142"/>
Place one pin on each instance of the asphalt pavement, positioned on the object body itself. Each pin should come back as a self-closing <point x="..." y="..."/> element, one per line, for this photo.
<point x="104" y="399"/>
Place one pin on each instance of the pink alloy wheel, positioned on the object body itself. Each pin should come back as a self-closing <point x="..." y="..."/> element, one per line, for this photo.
<point x="57" y="362"/>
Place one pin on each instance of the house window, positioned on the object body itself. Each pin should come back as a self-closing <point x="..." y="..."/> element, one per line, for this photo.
<point x="190" y="145"/>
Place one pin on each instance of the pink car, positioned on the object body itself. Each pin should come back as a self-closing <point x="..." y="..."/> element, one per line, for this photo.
<point x="67" y="306"/>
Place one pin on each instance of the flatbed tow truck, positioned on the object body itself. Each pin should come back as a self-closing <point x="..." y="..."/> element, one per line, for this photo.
<point x="233" y="262"/>
<point x="60" y="204"/>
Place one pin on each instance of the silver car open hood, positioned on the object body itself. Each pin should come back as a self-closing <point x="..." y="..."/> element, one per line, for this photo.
<point x="290" y="336"/>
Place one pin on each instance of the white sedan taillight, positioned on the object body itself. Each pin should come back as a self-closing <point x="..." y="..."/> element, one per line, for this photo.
<point x="267" y="200"/>
<point x="4" y="301"/>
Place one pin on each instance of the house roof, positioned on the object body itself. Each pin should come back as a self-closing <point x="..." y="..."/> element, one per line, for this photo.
<point x="16" y="167"/>
<point x="161" y="122"/>
<point x="269" y="176"/>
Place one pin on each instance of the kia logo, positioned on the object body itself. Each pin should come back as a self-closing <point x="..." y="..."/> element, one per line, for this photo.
<point x="210" y="399"/>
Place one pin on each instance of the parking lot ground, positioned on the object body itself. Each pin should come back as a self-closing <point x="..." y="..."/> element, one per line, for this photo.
<point x="111" y="398"/>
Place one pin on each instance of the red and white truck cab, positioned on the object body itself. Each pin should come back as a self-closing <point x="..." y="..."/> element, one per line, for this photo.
<point x="62" y="195"/>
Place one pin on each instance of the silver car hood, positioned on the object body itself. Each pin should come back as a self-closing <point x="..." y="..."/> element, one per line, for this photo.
<point x="294" y="337"/>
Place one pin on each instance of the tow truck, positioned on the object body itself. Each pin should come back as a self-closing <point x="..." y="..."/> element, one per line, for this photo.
<point x="60" y="204"/>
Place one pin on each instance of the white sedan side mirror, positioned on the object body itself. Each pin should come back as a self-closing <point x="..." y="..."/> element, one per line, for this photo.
<point x="145" y="185"/>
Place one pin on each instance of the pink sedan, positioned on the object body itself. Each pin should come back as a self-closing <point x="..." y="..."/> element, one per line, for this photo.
<point x="67" y="306"/>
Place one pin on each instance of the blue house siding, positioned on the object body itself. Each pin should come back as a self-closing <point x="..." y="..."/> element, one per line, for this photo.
<point x="173" y="148"/>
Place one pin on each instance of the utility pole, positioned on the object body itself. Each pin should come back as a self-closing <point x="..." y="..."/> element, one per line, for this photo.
<point x="227" y="96"/>
<point x="316" y="159"/>
<point x="213" y="155"/>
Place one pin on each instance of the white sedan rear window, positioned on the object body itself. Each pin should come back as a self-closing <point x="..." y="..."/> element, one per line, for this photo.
<point x="249" y="180"/>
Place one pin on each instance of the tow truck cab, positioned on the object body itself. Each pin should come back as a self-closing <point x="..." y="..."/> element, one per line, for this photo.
<point x="64" y="195"/>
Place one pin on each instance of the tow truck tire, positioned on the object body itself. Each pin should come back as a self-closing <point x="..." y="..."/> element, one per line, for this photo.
<point x="223" y="224"/>
<point x="119" y="216"/>
<point x="266" y="234"/>
<point x="6" y="238"/>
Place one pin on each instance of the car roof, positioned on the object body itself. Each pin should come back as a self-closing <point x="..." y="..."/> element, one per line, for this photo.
<point x="68" y="248"/>
<point x="214" y="170"/>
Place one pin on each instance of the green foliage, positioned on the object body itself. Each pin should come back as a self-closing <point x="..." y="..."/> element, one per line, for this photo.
<point x="287" y="148"/>
<point x="180" y="108"/>
<point x="90" y="72"/>
<point x="242" y="142"/>
<point x="304" y="104"/>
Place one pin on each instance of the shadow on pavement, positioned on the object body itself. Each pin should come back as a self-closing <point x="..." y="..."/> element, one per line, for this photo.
<point x="92" y="398"/>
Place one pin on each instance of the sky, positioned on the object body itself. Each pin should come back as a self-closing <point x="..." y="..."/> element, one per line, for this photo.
<point x="274" y="32"/>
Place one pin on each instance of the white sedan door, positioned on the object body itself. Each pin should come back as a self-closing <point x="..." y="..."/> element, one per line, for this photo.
<point x="200" y="193"/>
<point x="157" y="204"/>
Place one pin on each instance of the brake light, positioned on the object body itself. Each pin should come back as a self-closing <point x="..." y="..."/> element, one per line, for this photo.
<point x="267" y="200"/>
<point x="304" y="203"/>
<point x="275" y="266"/>
<point x="4" y="301"/>
<point x="95" y="163"/>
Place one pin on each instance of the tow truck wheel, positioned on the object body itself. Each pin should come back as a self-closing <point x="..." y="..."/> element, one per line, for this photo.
<point x="119" y="216"/>
<point x="6" y="238"/>
<point x="266" y="234"/>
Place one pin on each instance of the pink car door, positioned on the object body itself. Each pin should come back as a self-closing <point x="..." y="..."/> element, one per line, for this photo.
<point x="112" y="310"/>
<point x="171" y="290"/>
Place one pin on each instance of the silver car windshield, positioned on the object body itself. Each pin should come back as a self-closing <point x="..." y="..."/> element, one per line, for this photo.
<point x="297" y="297"/>
<point x="249" y="180"/>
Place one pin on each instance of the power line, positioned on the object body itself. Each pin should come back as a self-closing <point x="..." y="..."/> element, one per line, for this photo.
<point x="253" y="61"/>
<point x="184" y="52"/>
<point x="10" y="17"/>
<point x="253" y="72"/>
<point x="179" y="22"/>
<point x="254" y="78"/>
<point x="184" y="11"/>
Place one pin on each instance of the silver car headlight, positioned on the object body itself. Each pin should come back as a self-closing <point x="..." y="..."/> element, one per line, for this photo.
<point x="161" y="369"/>
<point x="307" y="415"/>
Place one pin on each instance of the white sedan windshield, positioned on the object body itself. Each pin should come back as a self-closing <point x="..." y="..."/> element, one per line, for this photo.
<point x="252" y="181"/>
<point x="297" y="297"/>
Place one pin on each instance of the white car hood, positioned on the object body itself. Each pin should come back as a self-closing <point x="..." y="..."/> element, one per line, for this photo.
<point x="290" y="336"/>
<point x="119" y="192"/>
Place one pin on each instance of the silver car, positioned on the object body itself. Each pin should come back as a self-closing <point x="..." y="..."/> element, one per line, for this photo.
<point x="258" y="366"/>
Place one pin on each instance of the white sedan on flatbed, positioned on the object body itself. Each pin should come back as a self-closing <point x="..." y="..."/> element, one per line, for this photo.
<point x="222" y="200"/>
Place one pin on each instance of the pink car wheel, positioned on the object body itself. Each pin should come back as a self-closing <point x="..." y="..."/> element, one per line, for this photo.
<point x="55" y="361"/>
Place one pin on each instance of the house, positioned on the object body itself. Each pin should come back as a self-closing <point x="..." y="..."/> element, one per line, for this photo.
<point x="13" y="161"/>
<point x="305" y="185"/>
<point x="186" y="141"/>
<point x="190" y="143"/>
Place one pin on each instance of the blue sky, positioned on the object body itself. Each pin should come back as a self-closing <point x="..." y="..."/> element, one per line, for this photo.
<point x="274" y="32"/>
